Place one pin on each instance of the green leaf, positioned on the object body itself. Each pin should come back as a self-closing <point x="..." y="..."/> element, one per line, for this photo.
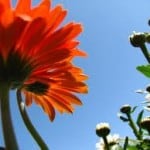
<point x="139" y="118"/>
<point x="132" y="148"/>
<point x="144" y="69"/>
<point x="124" y="119"/>
<point x="125" y="143"/>
<point x="133" y="109"/>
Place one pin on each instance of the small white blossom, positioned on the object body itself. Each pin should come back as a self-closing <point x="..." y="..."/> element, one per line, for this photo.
<point x="113" y="138"/>
<point x="147" y="102"/>
<point x="113" y="141"/>
<point x="147" y="97"/>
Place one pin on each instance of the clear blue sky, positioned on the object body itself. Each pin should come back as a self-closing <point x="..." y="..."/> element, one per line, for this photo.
<point x="111" y="69"/>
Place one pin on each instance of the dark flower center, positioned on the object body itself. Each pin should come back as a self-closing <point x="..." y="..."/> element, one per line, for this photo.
<point x="37" y="88"/>
<point x="14" y="70"/>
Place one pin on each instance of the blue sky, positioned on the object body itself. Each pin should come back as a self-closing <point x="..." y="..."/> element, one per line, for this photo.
<point x="110" y="66"/>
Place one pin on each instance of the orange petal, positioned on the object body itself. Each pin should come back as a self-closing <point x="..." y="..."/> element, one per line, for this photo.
<point x="42" y="10"/>
<point x="56" y="16"/>
<point x="78" y="87"/>
<point x="13" y="33"/>
<point x="52" y="57"/>
<point x="33" y="31"/>
<point x="72" y="99"/>
<point x="28" y="98"/>
<point x="7" y="18"/>
<point x="78" y="52"/>
<point x="46" y="105"/>
<point x="59" y="104"/>
<point x="23" y="6"/>
<point x="76" y="29"/>
<point x="6" y="4"/>
<point x="61" y="36"/>
<point x="50" y="110"/>
<point x="45" y="3"/>
<point x="71" y="44"/>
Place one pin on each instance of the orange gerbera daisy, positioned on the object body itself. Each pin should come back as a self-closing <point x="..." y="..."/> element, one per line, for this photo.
<point x="36" y="55"/>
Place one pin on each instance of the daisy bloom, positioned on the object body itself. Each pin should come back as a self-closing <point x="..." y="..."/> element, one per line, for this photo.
<point x="113" y="141"/>
<point x="36" y="55"/>
<point x="146" y="92"/>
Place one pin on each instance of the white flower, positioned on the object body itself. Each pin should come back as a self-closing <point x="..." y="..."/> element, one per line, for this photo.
<point x="145" y="91"/>
<point x="113" y="141"/>
<point x="147" y="102"/>
<point x="147" y="97"/>
<point x="100" y="146"/>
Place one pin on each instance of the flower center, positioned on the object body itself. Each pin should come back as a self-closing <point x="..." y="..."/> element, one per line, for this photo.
<point x="14" y="70"/>
<point x="37" y="88"/>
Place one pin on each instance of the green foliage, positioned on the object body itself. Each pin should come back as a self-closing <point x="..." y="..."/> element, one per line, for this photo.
<point x="133" y="109"/>
<point x="144" y="69"/>
<point x="139" y="118"/>
<point x="132" y="148"/>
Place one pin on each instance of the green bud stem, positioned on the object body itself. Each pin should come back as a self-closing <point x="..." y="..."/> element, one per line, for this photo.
<point x="29" y="124"/>
<point x="7" y="127"/>
<point x="106" y="142"/>
<point x="125" y="144"/>
<point x="133" y="126"/>
<point x="145" y="52"/>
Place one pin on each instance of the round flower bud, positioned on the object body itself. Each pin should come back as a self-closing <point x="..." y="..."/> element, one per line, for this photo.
<point x="148" y="88"/>
<point x="102" y="129"/>
<point x="145" y="123"/>
<point x="126" y="109"/>
<point x="146" y="140"/>
<point x="137" y="39"/>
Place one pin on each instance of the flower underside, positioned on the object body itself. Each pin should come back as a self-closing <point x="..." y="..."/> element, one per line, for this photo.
<point x="38" y="88"/>
<point x="36" y="55"/>
<point x="14" y="70"/>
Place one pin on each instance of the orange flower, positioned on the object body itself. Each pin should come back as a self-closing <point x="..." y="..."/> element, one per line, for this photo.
<point x="36" y="55"/>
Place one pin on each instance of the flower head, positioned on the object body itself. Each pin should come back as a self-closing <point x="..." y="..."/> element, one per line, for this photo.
<point x="36" y="55"/>
<point x="113" y="141"/>
<point x="137" y="39"/>
<point x="145" y="123"/>
<point x="146" y="92"/>
<point x="126" y="109"/>
<point x="102" y="129"/>
<point x="147" y="98"/>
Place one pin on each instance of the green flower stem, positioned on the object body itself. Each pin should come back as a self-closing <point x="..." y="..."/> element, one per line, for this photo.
<point x="133" y="126"/>
<point x="29" y="124"/>
<point x="106" y="142"/>
<point x="125" y="144"/>
<point x="8" y="132"/>
<point x="145" y="52"/>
